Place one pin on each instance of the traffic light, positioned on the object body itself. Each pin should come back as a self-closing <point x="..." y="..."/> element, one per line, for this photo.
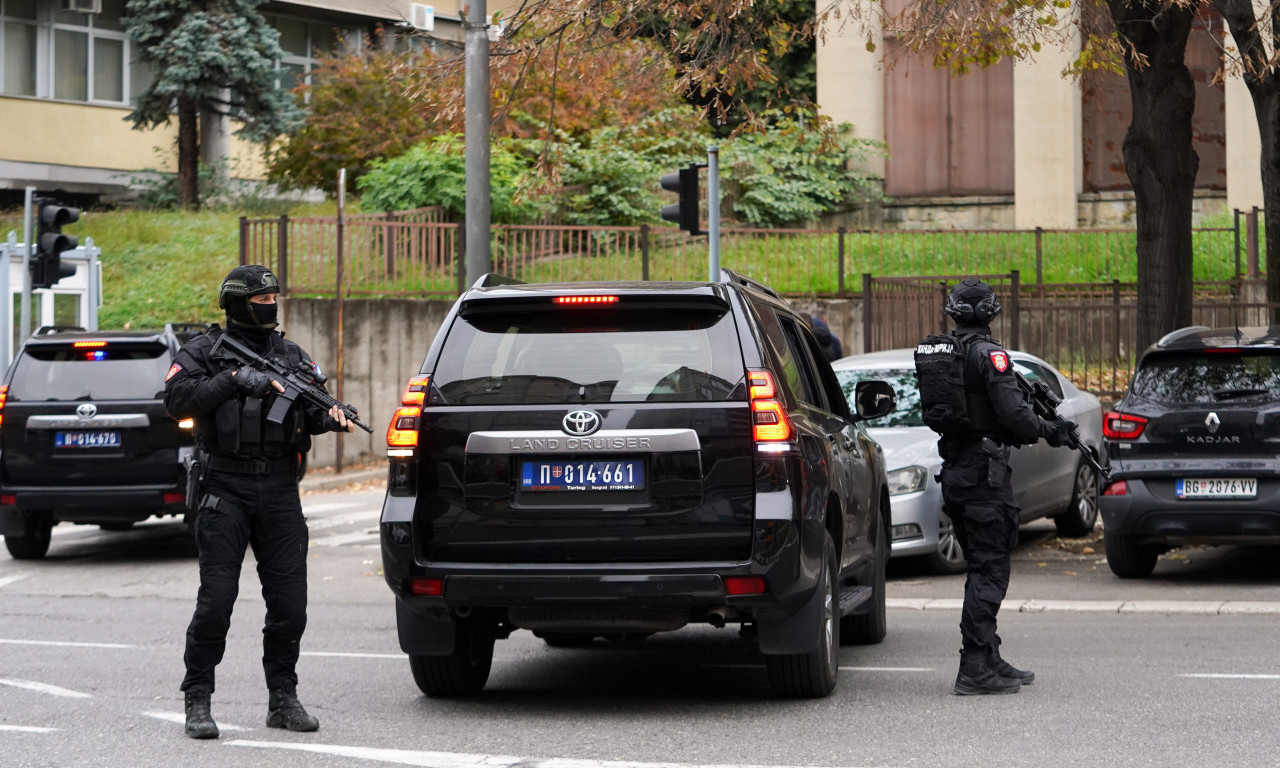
<point x="685" y="213"/>
<point x="47" y="267"/>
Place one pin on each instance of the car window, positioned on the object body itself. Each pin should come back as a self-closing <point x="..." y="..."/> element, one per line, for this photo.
<point x="1035" y="372"/>
<point x="107" y="373"/>
<point x="809" y="391"/>
<point x="1209" y="377"/>
<point x="903" y="381"/>
<point x="591" y="356"/>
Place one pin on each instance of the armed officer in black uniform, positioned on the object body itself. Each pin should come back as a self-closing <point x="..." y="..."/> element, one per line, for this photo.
<point x="248" y="496"/>
<point x="976" y="484"/>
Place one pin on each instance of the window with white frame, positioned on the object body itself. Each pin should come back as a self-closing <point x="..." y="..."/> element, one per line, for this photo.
<point x="50" y="53"/>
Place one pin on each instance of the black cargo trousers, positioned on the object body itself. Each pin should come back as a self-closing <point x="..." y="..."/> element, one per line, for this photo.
<point x="977" y="494"/>
<point x="262" y="511"/>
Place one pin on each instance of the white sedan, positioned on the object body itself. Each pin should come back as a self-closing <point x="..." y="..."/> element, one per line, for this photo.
<point x="1047" y="482"/>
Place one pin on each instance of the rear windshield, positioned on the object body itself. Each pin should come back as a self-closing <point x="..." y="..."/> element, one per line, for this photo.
<point x="1210" y="377"/>
<point x="591" y="356"/>
<point x="109" y="373"/>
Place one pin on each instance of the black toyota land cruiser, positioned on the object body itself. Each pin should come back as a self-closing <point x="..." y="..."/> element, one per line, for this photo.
<point x="611" y="460"/>
<point x="84" y="436"/>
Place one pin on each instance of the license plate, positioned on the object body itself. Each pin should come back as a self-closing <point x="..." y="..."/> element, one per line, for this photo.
<point x="1217" y="488"/>
<point x="582" y="475"/>
<point x="86" y="439"/>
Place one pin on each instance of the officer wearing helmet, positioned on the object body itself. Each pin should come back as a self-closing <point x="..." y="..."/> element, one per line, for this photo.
<point x="976" y="482"/>
<point x="248" y="496"/>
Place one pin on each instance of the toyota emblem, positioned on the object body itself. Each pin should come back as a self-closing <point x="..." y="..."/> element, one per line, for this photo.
<point x="581" y="423"/>
<point x="1212" y="421"/>
<point x="86" y="410"/>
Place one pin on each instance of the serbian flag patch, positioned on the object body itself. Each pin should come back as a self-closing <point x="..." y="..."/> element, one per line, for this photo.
<point x="173" y="371"/>
<point x="1000" y="360"/>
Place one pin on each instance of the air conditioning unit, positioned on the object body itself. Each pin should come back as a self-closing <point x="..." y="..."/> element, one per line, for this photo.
<point x="81" y="6"/>
<point x="421" y="16"/>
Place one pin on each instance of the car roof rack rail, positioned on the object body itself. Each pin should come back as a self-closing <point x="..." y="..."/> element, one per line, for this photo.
<point x="45" y="330"/>
<point x="729" y="276"/>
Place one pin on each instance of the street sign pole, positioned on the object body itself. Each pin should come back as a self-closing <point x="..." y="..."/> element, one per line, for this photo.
<point x="28" y="230"/>
<point x="713" y="213"/>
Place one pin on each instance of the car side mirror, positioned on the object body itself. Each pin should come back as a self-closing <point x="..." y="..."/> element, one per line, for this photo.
<point x="874" y="399"/>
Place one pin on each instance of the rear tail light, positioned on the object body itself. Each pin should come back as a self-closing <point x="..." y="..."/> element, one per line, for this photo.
<point x="769" y="422"/>
<point x="402" y="432"/>
<point x="1122" y="426"/>
<point x="744" y="585"/>
<point x="432" y="587"/>
<point x="187" y="424"/>
<point x="1118" y="488"/>
<point x="8" y="499"/>
<point x="4" y="395"/>
<point x="174" y="498"/>
<point x="89" y="344"/>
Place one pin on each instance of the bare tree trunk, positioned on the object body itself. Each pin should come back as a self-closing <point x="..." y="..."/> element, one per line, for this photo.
<point x="188" y="155"/>
<point x="1263" y="82"/>
<point x="1159" y="159"/>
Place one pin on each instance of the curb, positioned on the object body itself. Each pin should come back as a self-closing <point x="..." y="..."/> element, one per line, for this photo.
<point x="1180" y="607"/>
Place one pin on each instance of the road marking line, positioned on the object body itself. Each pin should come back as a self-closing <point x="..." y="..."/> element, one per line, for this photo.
<point x="345" y="538"/>
<point x="7" y="580"/>
<point x="62" y="644"/>
<point x="311" y="509"/>
<point x="1216" y="676"/>
<point x="338" y="654"/>
<point x="174" y="717"/>
<point x="27" y="728"/>
<point x="463" y="760"/>
<point x="52" y="690"/>
<point x="843" y="669"/>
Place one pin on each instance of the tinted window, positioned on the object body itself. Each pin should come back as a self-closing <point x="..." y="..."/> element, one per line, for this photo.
<point x="903" y="381"/>
<point x="591" y="356"/>
<point x="109" y="373"/>
<point x="1211" y="377"/>
<point x="1033" y="373"/>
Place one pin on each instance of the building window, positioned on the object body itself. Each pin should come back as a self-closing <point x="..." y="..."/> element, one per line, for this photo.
<point x="18" y="17"/>
<point x="303" y="41"/>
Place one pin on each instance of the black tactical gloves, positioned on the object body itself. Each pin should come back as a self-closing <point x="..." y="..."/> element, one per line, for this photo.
<point x="1058" y="432"/>
<point x="252" y="381"/>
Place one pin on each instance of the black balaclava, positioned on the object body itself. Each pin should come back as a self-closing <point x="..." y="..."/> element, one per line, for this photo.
<point x="253" y="320"/>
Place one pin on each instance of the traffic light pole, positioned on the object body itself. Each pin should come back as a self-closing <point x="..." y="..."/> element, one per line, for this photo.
<point x="713" y="213"/>
<point x="28" y="247"/>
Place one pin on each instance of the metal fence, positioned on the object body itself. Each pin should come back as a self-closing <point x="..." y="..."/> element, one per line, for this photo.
<point x="1087" y="330"/>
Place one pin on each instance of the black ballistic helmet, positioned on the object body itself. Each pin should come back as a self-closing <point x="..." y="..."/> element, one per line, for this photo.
<point x="972" y="300"/>
<point x="246" y="281"/>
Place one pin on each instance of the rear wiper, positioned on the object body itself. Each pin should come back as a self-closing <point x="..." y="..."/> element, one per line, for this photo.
<point x="1227" y="394"/>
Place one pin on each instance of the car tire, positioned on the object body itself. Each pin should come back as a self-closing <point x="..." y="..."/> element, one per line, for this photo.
<point x="949" y="559"/>
<point x="812" y="675"/>
<point x="1082" y="514"/>
<point x="464" y="671"/>
<point x="1127" y="558"/>
<point x="33" y="542"/>
<point x="870" y="628"/>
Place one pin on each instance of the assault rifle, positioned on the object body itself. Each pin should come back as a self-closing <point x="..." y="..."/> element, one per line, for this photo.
<point x="301" y="380"/>
<point x="1044" y="402"/>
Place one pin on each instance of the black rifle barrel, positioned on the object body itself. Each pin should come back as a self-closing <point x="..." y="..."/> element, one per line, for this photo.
<point x="1045" y="403"/>
<point x="290" y="378"/>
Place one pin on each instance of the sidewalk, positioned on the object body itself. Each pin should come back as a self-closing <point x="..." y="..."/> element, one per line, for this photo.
<point x="325" y="479"/>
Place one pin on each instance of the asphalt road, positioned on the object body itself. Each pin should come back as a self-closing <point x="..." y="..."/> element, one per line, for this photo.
<point x="91" y="657"/>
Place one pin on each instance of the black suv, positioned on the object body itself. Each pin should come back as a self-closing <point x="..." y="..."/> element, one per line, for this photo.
<point x="1192" y="447"/>
<point x="84" y="436"/>
<point x="611" y="460"/>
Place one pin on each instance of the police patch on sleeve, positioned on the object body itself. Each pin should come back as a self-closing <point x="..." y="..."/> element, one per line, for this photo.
<point x="1000" y="359"/>
<point x="173" y="371"/>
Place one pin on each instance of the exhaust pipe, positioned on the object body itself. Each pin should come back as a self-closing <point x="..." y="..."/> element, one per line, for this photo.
<point x="717" y="615"/>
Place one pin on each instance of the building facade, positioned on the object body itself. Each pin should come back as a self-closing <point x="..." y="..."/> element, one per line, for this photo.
<point x="70" y="76"/>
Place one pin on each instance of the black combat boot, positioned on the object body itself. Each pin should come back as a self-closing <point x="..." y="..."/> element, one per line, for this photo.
<point x="285" y="711"/>
<point x="1005" y="669"/>
<point x="200" y="723"/>
<point x="976" y="677"/>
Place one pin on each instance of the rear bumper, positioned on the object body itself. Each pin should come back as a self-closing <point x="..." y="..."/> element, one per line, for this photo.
<point x="1152" y="517"/>
<point x="95" y="504"/>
